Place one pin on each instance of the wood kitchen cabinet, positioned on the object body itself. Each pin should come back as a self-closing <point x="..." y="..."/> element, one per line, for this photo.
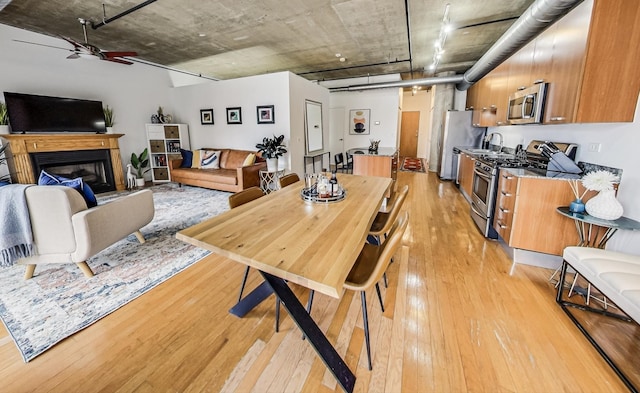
<point x="589" y="58"/>
<point x="465" y="174"/>
<point x="526" y="217"/>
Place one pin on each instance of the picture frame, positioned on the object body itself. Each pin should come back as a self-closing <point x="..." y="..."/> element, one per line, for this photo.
<point x="234" y="115"/>
<point x="206" y="116"/>
<point x="359" y="123"/>
<point x="265" y="114"/>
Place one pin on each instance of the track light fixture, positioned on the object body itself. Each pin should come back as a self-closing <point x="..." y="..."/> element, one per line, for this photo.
<point x="445" y="28"/>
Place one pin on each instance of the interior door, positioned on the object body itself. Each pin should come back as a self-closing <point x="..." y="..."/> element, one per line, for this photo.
<point x="410" y="124"/>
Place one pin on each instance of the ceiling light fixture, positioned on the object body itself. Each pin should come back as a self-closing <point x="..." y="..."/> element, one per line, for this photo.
<point x="445" y="28"/>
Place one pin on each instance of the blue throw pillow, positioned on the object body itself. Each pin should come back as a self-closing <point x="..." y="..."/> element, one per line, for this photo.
<point x="4" y="183"/>
<point x="187" y="158"/>
<point x="87" y="193"/>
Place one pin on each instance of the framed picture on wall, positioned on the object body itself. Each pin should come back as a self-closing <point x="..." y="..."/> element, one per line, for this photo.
<point x="359" y="121"/>
<point x="234" y="115"/>
<point x="206" y="116"/>
<point x="266" y="114"/>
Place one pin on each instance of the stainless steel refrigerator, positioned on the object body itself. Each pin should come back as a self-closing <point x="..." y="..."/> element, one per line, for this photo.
<point x="458" y="132"/>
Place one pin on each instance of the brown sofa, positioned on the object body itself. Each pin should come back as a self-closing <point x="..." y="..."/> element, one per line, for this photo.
<point x="231" y="176"/>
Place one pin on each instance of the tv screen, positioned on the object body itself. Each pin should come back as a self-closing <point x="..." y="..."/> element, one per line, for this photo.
<point x="41" y="114"/>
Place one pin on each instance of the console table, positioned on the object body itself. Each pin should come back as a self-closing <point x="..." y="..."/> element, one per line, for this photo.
<point x="314" y="158"/>
<point x="22" y="145"/>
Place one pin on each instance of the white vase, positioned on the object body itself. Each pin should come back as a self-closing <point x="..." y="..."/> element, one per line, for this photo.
<point x="140" y="182"/>
<point x="272" y="164"/>
<point x="4" y="129"/>
<point x="109" y="130"/>
<point x="604" y="206"/>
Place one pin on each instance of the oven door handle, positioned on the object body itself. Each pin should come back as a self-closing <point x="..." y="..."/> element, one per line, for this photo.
<point x="482" y="174"/>
<point x="476" y="211"/>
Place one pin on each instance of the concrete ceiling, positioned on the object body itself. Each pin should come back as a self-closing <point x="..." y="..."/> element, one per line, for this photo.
<point x="234" y="38"/>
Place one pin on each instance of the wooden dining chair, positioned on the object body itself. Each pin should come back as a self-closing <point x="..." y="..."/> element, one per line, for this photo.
<point x="238" y="199"/>
<point x="244" y="196"/>
<point x="289" y="179"/>
<point x="385" y="219"/>
<point x="368" y="269"/>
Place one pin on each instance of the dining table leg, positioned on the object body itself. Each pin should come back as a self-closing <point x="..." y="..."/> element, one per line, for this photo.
<point x="314" y="335"/>
<point x="250" y="301"/>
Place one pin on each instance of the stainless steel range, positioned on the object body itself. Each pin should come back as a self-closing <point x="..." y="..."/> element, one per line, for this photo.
<point x="536" y="157"/>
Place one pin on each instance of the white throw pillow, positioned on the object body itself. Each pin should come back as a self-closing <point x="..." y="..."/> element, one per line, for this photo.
<point x="210" y="159"/>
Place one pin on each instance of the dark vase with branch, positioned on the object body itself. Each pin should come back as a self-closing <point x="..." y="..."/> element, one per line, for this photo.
<point x="271" y="149"/>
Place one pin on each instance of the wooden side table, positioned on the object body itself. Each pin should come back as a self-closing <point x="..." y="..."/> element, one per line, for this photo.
<point x="270" y="181"/>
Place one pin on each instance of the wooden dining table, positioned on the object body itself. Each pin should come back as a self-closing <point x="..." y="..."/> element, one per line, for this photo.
<point x="290" y="240"/>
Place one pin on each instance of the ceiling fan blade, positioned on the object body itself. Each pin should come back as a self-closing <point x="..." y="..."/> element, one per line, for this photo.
<point x="116" y="60"/>
<point x="47" y="46"/>
<point x="111" y="54"/>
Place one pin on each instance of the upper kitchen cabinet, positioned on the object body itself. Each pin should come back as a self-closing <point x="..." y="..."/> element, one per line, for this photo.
<point x="592" y="74"/>
<point x="609" y="87"/>
<point x="589" y="58"/>
<point x="569" y="39"/>
<point x="480" y="100"/>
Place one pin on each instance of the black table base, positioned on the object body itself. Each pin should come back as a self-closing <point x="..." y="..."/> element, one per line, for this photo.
<point x="298" y="313"/>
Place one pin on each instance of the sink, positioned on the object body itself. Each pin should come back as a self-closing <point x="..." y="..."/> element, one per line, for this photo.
<point x="483" y="151"/>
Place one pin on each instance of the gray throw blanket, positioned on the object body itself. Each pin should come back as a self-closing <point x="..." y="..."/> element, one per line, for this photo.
<point x="16" y="239"/>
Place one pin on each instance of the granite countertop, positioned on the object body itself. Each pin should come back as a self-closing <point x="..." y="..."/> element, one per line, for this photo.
<point x="382" y="151"/>
<point x="541" y="173"/>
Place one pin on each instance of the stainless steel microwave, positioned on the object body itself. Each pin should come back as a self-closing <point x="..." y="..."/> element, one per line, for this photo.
<point x="526" y="106"/>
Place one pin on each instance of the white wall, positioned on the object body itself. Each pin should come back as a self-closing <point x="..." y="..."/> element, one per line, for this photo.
<point x="384" y="105"/>
<point x="246" y="93"/>
<point x="133" y="91"/>
<point x="301" y="90"/>
<point x="420" y="102"/>
<point x="620" y="148"/>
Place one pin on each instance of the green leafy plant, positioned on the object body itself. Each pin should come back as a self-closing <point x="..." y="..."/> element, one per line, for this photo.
<point x="4" y="116"/>
<point x="109" y="117"/>
<point x="272" y="147"/>
<point x="140" y="162"/>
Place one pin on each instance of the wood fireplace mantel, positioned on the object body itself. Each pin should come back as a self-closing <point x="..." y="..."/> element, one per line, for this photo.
<point x="22" y="145"/>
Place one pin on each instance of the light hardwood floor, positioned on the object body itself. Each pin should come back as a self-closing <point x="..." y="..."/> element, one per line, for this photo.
<point x="456" y="321"/>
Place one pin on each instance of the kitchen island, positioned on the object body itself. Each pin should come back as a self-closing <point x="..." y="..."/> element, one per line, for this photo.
<point x="383" y="162"/>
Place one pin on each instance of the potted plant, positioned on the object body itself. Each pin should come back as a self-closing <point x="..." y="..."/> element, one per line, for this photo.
<point x="271" y="149"/>
<point x="109" y="119"/>
<point x="139" y="163"/>
<point x="4" y="119"/>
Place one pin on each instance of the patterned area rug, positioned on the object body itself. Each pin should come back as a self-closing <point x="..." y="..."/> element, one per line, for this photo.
<point x="410" y="164"/>
<point x="60" y="301"/>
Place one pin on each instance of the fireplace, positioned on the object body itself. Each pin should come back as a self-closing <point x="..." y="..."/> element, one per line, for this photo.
<point x="93" y="166"/>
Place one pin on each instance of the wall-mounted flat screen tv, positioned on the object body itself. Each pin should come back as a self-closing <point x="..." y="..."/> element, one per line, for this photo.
<point x="41" y="114"/>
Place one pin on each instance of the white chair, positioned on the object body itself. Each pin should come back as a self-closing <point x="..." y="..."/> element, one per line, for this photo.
<point x="66" y="231"/>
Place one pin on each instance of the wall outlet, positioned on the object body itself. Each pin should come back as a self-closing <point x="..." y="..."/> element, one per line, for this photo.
<point x="595" y="147"/>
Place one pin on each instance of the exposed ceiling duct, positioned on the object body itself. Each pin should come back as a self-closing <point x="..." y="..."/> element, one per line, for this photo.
<point x="533" y="21"/>
<point x="4" y="3"/>
<point x="436" y="80"/>
<point x="539" y="16"/>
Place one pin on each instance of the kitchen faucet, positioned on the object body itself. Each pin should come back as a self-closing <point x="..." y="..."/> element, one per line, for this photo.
<point x="489" y="137"/>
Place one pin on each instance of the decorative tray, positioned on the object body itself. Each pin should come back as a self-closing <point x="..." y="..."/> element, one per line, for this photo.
<point x="311" y="195"/>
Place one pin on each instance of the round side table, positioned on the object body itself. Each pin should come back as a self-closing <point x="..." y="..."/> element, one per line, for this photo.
<point x="270" y="181"/>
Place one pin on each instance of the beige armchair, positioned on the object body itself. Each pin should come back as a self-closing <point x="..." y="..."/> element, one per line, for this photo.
<point x="65" y="231"/>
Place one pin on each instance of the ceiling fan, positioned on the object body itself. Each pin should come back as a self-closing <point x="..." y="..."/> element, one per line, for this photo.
<point x="87" y="50"/>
